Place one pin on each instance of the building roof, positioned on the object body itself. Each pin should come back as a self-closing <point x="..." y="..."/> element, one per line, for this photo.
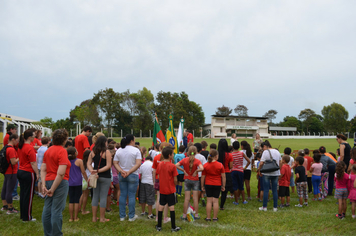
<point x="17" y="118"/>
<point x="243" y="117"/>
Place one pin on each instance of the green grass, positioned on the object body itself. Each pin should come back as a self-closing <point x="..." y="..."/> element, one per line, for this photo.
<point x="316" y="219"/>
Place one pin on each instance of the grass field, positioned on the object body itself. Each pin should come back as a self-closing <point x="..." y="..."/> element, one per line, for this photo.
<point x="316" y="219"/>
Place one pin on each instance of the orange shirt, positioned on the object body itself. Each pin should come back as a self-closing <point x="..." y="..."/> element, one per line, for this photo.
<point x="213" y="171"/>
<point x="11" y="153"/>
<point x="185" y="164"/>
<point x="167" y="171"/>
<point x="27" y="155"/>
<point x="329" y="155"/>
<point x="53" y="157"/>
<point x="81" y="143"/>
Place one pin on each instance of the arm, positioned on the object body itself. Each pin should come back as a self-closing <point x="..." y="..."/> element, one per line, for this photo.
<point x="90" y="161"/>
<point x="108" y="162"/>
<point x="180" y="168"/>
<point x="260" y="166"/>
<point x="135" y="167"/>
<point x="175" y="180"/>
<point x="248" y="161"/>
<point x="35" y="169"/>
<point x="230" y="165"/>
<point x="81" y="166"/>
<point x="296" y="176"/>
<point x="355" y="183"/>
<point x="342" y="152"/>
<point x="202" y="183"/>
<point x="200" y="169"/>
<point x="43" y="178"/>
<point x="60" y="174"/>
<point x="14" y="160"/>
<point x="223" y="177"/>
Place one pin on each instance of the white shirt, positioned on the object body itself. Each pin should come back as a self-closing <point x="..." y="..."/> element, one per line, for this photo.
<point x="40" y="153"/>
<point x="146" y="172"/>
<point x="276" y="156"/>
<point x="245" y="162"/>
<point x="232" y="140"/>
<point x="127" y="157"/>
<point x="202" y="159"/>
<point x="291" y="161"/>
<point x="153" y="153"/>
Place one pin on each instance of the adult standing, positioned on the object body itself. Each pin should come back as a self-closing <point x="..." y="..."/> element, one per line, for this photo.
<point x="102" y="159"/>
<point x="36" y="143"/>
<point x="233" y="138"/>
<point x="10" y="129"/>
<point x="345" y="149"/>
<point x="257" y="142"/>
<point x="126" y="161"/>
<point x="270" y="177"/>
<point x="225" y="158"/>
<point x="55" y="175"/>
<point x="81" y="141"/>
<point x="246" y="148"/>
<point x="326" y="161"/>
<point x="27" y="174"/>
<point x="190" y="138"/>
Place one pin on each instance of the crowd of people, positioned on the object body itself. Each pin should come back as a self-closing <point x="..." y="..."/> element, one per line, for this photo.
<point x="57" y="166"/>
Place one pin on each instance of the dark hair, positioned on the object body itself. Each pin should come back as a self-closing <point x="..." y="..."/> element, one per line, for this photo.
<point x="68" y="144"/>
<point x="266" y="143"/>
<point x="317" y="157"/>
<point x="13" y="136"/>
<point x="287" y="151"/>
<point x="59" y="136"/>
<point x="322" y="150"/>
<point x="28" y="133"/>
<point x="181" y="148"/>
<point x="87" y="128"/>
<point x="341" y="136"/>
<point x="111" y="147"/>
<point x="316" y="151"/>
<point x="300" y="160"/>
<point x="37" y="132"/>
<point x="10" y="126"/>
<point x="204" y="144"/>
<point x="127" y="140"/>
<point x="85" y="158"/>
<point x="212" y="146"/>
<point x="338" y="151"/>
<point x="148" y="158"/>
<point x="157" y="146"/>
<point x="71" y="153"/>
<point x="213" y="153"/>
<point x="246" y="146"/>
<point x="45" y="140"/>
<point x="100" y="145"/>
<point x="340" y="170"/>
<point x="110" y="140"/>
<point x="167" y="151"/>
<point x="286" y="158"/>
<point x="230" y="148"/>
<point x="332" y="154"/>
<point x="198" y="146"/>
<point x="306" y="151"/>
<point x="223" y="148"/>
<point x="236" y="145"/>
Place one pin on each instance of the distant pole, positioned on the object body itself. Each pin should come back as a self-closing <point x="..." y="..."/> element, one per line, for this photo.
<point x="111" y="132"/>
<point x="140" y="133"/>
<point x="121" y="133"/>
<point x="150" y="133"/>
<point x="131" y="131"/>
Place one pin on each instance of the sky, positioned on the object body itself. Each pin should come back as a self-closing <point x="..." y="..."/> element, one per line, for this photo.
<point x="281" y="55"/>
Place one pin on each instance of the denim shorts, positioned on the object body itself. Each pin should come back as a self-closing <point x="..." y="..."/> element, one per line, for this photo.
<point x="191" y="185"/>
<point x="237" y="180"/>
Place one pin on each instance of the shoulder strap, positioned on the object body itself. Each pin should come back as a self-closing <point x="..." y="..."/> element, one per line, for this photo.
<point x="270" y="155"/>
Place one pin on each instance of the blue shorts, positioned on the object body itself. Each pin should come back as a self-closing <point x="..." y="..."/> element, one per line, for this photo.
<point x="237" y="180"/>
<point x="292" y="184"/>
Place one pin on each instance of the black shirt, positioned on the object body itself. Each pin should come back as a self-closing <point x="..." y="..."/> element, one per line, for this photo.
<point x="205" y="154"/>
<point x="301" y="171"/>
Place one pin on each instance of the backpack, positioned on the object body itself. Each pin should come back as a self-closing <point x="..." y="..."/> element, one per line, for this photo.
<point x="4" y="164"/>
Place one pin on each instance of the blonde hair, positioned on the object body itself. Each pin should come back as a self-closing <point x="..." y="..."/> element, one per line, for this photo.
<point x="96" y="136"/>
<point x="191" y="153"/>
<point x="213" y="153"/>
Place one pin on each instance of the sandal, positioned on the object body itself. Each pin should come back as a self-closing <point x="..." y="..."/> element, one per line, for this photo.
<point x="106" y="220"/>
<point x="70" y="220"/>
<point x="85" y="212"/>
<point x="206" y="219"/>
<point x="215" y="219"/>
<point x="221" y="208"/>
<point x="76" y="220"/>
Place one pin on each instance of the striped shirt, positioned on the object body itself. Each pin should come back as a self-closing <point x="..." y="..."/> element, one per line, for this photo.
<point x="237" y="164"/>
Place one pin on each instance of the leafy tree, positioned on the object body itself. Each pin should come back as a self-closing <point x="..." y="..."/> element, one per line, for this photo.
<point x="47" y="122"/>
<point x="353" y="125"/>
<point x="223" y="111"/>
<point x="63" y="124"/>
<point x="306" y="117"/>
<point x="316" y="125"/>
<point x="271" y="115"/>
<point x="86" y="113"/>
<point x="335" y="118"/>
<point x="241" y="110"/>
<point x="291" y="121"/>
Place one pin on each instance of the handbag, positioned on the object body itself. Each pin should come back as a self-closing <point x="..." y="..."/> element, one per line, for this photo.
<point x="93" y="178"/>
<point x="269" y="165"/>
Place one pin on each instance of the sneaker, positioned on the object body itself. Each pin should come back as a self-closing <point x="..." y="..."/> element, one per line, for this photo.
<point x="282" y="206"/>
<point x="151" y="217"/>
<point x="299" y="205"/>
<point x="16" y="198"/>
<point x="353" y="216"/>
<point x="305" y="204"/>
<point x="12" y="211"/>
<point x="197" y="217"/>
<point x="340" y="216"/>
<point x="262" y="208"/>
<point x="158" y="228"/>
<point x="183" y="218"/>
<point x="122" y="219"/>
<point x="133" y="218"/>
<point x="41" y="196"/>
<point x="235" y="203"/>
<point x="176" y="229"/>
<point x="287" y="205"/>
<point x="33" y="219"/>
<point x="166" y="220"/>
<point x="202" y="202"/>
<point x="245" y="202"/>
<point x="4" y="208"/>
<point x="249" y="198"/>
<point x="275" y="209"/>
<point x="144" y="213"/>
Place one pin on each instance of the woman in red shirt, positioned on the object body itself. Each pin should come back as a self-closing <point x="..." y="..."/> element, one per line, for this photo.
<point x="10" y="177"/>
<point x="27" y="174"/>
<point x="54" y="175"/>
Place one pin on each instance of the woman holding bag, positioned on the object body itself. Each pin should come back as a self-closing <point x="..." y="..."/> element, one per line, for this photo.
<point x="269" y="177"/>
<point x="102" y="164"/>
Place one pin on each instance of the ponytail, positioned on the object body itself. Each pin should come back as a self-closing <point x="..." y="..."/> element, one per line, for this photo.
<point x="126" y="140"/>
<point x="246" y="146"/>
<point x="213" y="153"/>
<point x="191" y="152"/>
<point x="28" y="133"/>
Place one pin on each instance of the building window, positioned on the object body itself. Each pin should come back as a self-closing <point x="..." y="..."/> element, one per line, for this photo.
<point x="221" y="129"/>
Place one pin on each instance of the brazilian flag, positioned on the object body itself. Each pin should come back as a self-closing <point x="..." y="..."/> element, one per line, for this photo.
<point x="171" y="135"/>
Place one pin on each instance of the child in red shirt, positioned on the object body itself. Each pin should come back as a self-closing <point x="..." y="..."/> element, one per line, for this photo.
<point x="284" y="181"/>
<point x="213" y="180"/>
<point x="167" y="174"/>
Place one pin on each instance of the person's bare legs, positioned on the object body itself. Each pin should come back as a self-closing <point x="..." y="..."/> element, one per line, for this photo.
<point x="94" y="210"/>
<point x="83" y="201"/>
<point x="248" y="188"/>
<point x="215" y="207"/>
<point x="71" y="210"/>
<point x="186" y="202"/>
<point x="76" y="211"/>
<point x="196" y="201"/>
<point x="209" y="206"/>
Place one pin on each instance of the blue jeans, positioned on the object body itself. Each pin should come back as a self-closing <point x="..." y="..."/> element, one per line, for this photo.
<point x="266" y="181"/>
<point x="128" y="186"/>
<point x="53" y="208"/>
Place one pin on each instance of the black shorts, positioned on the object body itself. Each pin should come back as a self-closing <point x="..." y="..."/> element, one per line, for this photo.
<point x="228" y="185"/>
<point x="74" y="193"/>
<point x="283" y="191"/>
<point x="164" y="199"/>
<point x="180" y="178"/>
<point x="212" y="191"/>
<point x="247" y="174"/>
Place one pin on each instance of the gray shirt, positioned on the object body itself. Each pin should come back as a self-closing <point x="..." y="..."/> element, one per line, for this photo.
<point x="326" y="161"/>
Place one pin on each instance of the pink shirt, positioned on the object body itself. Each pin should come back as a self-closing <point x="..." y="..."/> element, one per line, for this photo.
<point x="342" y="183"/>
<point x="317" y="167"/>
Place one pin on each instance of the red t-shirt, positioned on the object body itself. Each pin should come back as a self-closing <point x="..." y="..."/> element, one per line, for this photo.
<point x="310" y="161"/>
<point x="36" y="142"/>
<point x="156" y="162"/>
<point x="27" y="155"/>
<point x="6" y="139"/>
<point x="53" y="157"/>
<point x="11" y="153"/>
<point x="286" y="172"/>
<point x="227" y="160"/>
<point x="238" y="159"/>
<point x="212" y="172"/>
<point x="185" y="164"/>
<point x="81" y="143"/>
<point x="167" y="171"/>
<point x="91" y="147"/>
<point x="190" y="138"/>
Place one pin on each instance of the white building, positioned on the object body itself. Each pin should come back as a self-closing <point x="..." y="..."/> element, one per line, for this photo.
<point x="242" y="126"/>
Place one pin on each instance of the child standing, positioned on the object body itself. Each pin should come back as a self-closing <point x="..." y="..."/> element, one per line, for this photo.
<point x="284" y="181"/>
<point x="40" y="153"/>
<point x="147" y="191"/>
<point x="85" y="193"/>
<point x="341" y="193"/>
<point x="167" y="173"/>
<point x="178" y="158"/>
<point x="352" y="189"/>
<point x="301" y="180"/>
<point x="315" y="169"/>
<point x="212" y="181"/>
